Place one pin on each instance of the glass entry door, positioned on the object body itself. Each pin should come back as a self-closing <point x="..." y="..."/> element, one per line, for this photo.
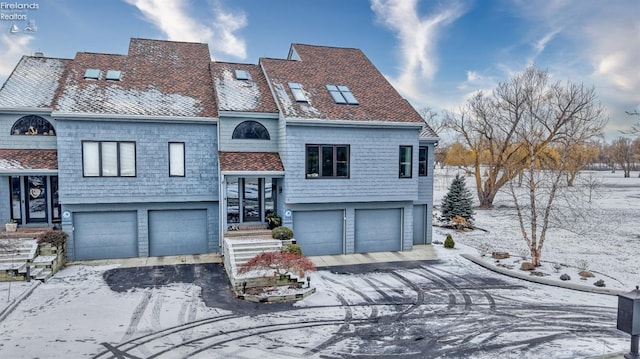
<point x="36" y="198"/>
<point x="252" y="200"/>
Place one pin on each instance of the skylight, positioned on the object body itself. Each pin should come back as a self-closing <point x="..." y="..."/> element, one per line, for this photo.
<point x="242" y="75"/>
<point x="296" y="90"/>
<point x="92" y="74"/>
<point x="113" y="75"/>
<point x="342" y="94"/>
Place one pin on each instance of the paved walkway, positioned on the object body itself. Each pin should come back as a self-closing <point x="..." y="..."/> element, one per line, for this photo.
<point x="419" y="252"/>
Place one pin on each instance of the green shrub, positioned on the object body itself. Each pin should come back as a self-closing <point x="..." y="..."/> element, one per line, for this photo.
<point x="273" y="220"/>
<point x="281" y="233"/>
<point x="54" y="237"/>
<point x="448" y="242"/>
<point x="292" y="248"/>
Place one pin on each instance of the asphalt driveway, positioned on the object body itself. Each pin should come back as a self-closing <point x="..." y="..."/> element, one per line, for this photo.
<point x="422" y="309"/>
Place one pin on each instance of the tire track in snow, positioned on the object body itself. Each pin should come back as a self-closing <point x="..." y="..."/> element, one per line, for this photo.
<point x="136" y="316"/>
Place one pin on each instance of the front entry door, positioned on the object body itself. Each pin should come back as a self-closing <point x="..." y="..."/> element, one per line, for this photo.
<point x="252" y="200"/>
<point x="36" y="198"/>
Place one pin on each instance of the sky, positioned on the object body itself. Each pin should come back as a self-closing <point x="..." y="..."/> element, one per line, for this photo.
<point x="436" y="53"/>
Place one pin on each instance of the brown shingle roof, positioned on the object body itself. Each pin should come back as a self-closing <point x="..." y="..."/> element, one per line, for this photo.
<point x="250" y="161"/>
<point x="159" y="78"/>
<point x="27" y="159"/>
<point x="250" y="95"/>
<point x="320" y="66"/>
<point x="33" y="82"/>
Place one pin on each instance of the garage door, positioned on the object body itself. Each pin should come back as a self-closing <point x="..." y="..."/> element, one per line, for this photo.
<point x="319" y="232"/>
<point x="102" y="235"/>
<point x="378" y="230"/>
<point x="177" y="232"/>
<point x="419" y="224"/>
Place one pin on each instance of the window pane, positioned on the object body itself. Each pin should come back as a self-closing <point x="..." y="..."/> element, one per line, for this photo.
<point x="109" y="158"/>
<point x="127" y="159"/>
<point x="337" y="97"/>
<point x="90" y="159"/>
<point x="422" y="161"/>
<point x="342" y="161"/>
<point x="405" y="161"/>
<point x="327" y="161"/>
<point x="350" y="98"/>
<point x="176" y="159"/>
<point x="313" y="161"/>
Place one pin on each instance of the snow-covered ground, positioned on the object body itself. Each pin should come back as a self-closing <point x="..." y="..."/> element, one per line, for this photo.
<point x="452" y="308"/>
<point x="609" y="242"/>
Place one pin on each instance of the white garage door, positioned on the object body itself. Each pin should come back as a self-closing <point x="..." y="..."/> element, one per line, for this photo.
<point x="104" y="235"/>
<point x="319" y="232"/>
<point x="378" y="230"/>
<point x="177" y="232"/>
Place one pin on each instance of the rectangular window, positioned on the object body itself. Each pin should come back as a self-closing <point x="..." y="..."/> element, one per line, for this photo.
<point x="342" y="95"/>
<point x="327" y="161"/>
<point x="296" y="90"/>
<point x="405" y="161"/>
<point x="423" y="154"/>
<point x="176" y="159"/>
<point x="108" y="159"/>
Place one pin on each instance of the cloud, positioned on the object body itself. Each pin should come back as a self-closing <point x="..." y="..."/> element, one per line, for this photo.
<point x="417" y="36"/>
<point x="174" y="19"/>
<point x="599" y="47"/>
<point x="12" y="48"/>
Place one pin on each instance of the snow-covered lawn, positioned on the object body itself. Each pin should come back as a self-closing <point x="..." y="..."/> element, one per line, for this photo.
<point x="609" y="247"/>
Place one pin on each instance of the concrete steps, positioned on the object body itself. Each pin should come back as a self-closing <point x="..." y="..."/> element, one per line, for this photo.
<point x="24" y="257"/>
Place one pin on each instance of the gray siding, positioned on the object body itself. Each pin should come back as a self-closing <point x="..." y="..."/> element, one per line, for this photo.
<point x="5" y="196"/>
<point x="227" y="125"/>
<point x="373" y="166"/>
<point x="152" y="182"/>
<point x="7" y="140"/>
<point x="425" y="190"/>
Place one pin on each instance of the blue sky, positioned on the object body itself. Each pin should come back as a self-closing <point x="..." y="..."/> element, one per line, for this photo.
<point x="436" y="53"/>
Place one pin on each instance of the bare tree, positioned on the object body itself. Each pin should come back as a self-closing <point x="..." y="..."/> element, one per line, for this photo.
<point x="433" y="119"/>
<point x="621" y="152"/>
<point x="635" y="129"/>
<point x="508" y="128"/>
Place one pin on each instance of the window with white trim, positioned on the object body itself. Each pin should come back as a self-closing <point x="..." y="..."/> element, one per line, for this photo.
<point x="108" y="159"/>
<point x="176" y="159"/>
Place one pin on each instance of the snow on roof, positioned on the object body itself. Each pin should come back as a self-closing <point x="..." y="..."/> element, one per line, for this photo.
<point x="33" y="83"/>
<point x="236" y="95"/>
<point x="118" y="100"/>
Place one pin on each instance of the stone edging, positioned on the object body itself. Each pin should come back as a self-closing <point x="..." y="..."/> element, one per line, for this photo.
<point x="540" y="280"/>
<point x="14" y="303"/>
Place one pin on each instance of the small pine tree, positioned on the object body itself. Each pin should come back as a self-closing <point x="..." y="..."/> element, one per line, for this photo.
<point x="458" y="201"/>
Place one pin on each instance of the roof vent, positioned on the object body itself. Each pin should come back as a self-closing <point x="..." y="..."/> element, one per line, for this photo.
<point x="38" y="54"/>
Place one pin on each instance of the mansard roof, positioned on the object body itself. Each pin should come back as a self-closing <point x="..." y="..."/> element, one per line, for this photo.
<point x="157" y="78"/>
<point x="248" y="95"/>
<point x="33" y="82"/>
<point x="315" y="67"/>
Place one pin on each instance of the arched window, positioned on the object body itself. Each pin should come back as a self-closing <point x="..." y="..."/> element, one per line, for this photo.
<point x="33" y="125"/>
<point x="250" y="130"/>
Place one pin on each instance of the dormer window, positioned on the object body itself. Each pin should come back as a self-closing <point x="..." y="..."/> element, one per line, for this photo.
<point x="342" y="95"/>
<point x="242" y="75"/>
<point x="92" y="74"/>
<point x="296" y="90"/>
<point x="113" y="75"/>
